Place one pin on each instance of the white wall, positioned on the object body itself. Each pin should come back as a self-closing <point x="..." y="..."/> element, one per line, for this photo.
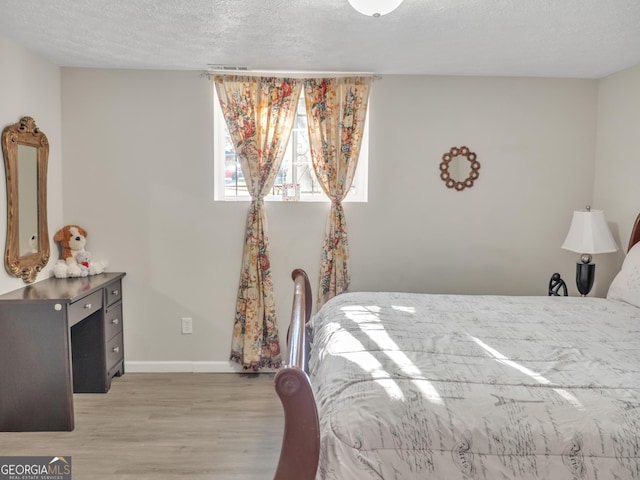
<point x="618" y="162"/>
<point x="30" y="86"/>
<point x="138" y="175"/>
<point x="535" y="141"/>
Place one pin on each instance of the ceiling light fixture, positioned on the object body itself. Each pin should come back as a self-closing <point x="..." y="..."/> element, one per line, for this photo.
<point x="375" y="8"/>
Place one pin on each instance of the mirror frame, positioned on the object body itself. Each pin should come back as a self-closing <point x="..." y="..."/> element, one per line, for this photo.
<point x="25" y="132"/>
<point x="446" y="177"/>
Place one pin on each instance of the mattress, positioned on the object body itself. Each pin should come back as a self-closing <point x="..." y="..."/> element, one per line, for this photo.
<point x="445" y="387"/>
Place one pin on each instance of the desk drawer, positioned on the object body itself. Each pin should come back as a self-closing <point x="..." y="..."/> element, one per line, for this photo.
<point x="115" y="351"/>
<point x="84" y="307"/>
<point x="112" y="321"/>
<point x="114" y="292"/>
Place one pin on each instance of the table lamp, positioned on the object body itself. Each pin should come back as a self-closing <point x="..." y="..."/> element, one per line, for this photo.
<point x="588" y="234"/>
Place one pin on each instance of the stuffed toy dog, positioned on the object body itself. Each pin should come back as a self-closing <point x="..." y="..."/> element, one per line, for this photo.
<point x="75" y="261"/>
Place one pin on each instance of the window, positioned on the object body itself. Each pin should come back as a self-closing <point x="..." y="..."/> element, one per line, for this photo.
<point x="296" y="177"/>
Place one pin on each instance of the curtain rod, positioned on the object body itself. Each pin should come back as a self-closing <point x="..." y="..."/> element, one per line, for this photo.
<point x="279" y="73"/>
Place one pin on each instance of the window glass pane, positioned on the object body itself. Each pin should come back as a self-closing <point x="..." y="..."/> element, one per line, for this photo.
<point x="234" y="184"/>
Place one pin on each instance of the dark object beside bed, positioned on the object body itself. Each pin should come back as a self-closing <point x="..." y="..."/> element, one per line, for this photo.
<point x="557" y="285"/>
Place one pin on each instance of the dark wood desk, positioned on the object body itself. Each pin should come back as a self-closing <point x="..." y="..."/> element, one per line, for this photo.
<point x="57" y="337"/>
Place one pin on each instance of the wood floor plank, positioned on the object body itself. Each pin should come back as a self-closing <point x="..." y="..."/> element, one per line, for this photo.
<point x="170" y="426"/>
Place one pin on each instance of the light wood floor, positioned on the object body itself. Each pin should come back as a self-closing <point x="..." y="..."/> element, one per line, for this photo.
<point x="168" y="427"/>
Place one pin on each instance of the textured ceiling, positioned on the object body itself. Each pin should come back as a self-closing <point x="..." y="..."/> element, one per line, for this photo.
<point x="541" y="38"/>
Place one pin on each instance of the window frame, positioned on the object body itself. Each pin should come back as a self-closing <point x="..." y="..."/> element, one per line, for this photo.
<point x="360" y="181"/>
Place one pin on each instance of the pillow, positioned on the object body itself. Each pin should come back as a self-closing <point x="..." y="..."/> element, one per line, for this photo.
<point x="626" y="285"/>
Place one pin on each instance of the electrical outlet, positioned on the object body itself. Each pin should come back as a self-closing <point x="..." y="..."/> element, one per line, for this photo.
<point x="187" y="325"/>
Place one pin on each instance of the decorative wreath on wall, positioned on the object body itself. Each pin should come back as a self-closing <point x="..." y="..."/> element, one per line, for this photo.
<point x="444" y="168"/>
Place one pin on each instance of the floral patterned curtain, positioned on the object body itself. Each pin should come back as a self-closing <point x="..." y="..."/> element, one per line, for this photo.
<point x="336" y="112"/>
<point x="259" y="113"/>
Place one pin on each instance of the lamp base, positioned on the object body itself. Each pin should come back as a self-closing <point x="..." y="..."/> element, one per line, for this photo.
<point x="585" y="274"/>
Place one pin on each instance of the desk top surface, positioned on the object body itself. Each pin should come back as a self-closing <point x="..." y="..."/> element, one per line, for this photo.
<point x="61" y="289"/>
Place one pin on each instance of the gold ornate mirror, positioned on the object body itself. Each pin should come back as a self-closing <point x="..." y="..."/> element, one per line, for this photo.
<point x="453" y="169"/>
<point x="26" y="153"/>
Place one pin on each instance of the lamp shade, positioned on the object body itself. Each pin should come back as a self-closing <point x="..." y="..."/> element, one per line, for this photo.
<point x="375" y="8"/>
<point x="589" y="233"/>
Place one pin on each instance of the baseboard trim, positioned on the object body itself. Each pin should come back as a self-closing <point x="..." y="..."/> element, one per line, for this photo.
<point x="182" y="367"/>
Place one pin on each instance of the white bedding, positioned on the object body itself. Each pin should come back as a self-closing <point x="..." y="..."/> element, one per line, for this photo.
<point x="450" y="387"/>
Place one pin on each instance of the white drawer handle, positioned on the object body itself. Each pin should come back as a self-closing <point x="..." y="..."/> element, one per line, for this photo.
<point x="87" y="305"/>
<point x="115" y="292"/>
<point x="116" y="349"/>
<point x="115" y="321"/>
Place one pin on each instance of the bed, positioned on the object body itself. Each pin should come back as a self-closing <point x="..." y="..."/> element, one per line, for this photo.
<point x="417" y="386"/>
